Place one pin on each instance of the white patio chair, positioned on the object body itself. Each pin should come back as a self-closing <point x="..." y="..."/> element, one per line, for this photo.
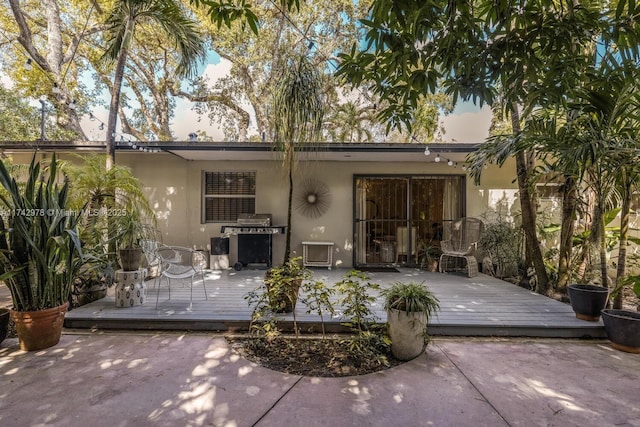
<point x="180" y="263"/>
<point x="461" y="243"/>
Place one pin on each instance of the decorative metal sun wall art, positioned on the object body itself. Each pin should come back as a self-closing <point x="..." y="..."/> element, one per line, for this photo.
<point x="313" y="198"/>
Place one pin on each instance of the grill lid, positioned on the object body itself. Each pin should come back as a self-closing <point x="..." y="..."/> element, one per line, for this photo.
<point x="263" y="220"/>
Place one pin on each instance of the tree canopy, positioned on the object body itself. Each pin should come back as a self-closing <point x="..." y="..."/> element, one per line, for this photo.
<point x="68" y="39"/>
<point x="525" y="54"/>
<point x="528" y="53"/>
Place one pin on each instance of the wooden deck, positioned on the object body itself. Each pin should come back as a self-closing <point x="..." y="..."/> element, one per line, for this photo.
<point x="479" y="306"/>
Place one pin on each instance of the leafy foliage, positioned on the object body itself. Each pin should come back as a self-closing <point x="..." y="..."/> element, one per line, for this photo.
<point x="115" y="202"/>
<point x="122" y="21"/>
<point x="40" y="250"/>
<point x="20" y="121"/>
<point x="521" y="53"/>
<point x="356" y="298"/>
<point x="298" y="109"/>
<point x="125" y="15"/>
<point x="277" y="294"/>
<point x="318" y="300"/>
<point x="298" y="104"/>
<point x="415" y="299"/>
<point x="502" y="241"/>
<point x="283" y="283"/>
<point x="633" y="282"/>
<point x="369" y="341"/>
<point x="411" y="48"/>
<point x="229" y="11"/>
<point x="411" y="297"/>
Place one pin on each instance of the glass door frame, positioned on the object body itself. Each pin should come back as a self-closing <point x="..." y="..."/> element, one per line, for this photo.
<point x="360" y="235"/>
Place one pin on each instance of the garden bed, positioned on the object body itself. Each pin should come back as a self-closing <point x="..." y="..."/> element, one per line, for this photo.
<point x="309" y="356"/>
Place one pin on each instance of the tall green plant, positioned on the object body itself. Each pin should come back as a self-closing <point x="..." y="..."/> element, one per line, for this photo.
<point x="356" y="300"/>
<point x="277" y="294"/>
<point x="599" y="147"/>
<point x="115" y="203"/>
<point x="502" y="241"/>
<point x="40" y="251"/>
<point x="627" y="181"/>
<point x="298" y="109"/>
<point x="411" y="48"/>
<point x="92" y="183"/>
<point x="123" y="20"/>
<point x="318" y="300"/>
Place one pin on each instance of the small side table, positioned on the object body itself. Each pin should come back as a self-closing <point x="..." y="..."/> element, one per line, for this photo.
<point x="130" y="287"/>
<point x="319" y="258"/>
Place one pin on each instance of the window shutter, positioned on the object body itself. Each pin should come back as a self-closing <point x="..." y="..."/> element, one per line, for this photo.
<point x="227" y="195"/>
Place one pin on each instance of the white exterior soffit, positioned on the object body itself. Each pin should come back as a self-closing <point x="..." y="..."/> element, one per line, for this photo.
<point x="356" y="152"/>
<point x="211" y="151"/>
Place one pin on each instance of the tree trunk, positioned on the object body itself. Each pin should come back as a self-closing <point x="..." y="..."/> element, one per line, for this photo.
<point x="287" y="248"/>
<point x="528" y="211"/>
<point x="600" y="239"/>
<point x="51" y="64"/>
<point x="569" y="204"/>
<point x="115" y="97"/>
<point x="624" y="235"/>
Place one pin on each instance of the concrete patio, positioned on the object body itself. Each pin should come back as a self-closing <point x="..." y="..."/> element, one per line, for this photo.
<point x="119" y="378"/>
<point x="158" y="378"/>
<point x="478" y="306"/>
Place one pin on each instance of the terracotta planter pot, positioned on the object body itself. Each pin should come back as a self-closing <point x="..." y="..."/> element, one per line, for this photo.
<point x="41" y="329"/>
<point x="406" y="331"/>
<point x="623" y="329"/>
<point x="4" y="323"/>
<point x="587" y="301"/>
<point x="432" y="266"/>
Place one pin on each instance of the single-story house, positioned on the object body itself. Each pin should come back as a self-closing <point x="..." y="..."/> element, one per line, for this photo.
<point x="368" y="204"/>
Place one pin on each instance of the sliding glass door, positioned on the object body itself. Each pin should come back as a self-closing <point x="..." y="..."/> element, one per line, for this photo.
<point x="396" y="216"/>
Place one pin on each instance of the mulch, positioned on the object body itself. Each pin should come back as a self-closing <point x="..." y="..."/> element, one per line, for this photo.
<point x="308" y="356"/>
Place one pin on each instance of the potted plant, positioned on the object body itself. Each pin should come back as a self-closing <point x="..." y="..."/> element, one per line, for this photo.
<point x="96" y="274"/>
<point x="429" y="256"/>
<point x="111" y="196"/>
<point x="40" y="252"/>
<point x="587" y="301"/>
<point x="130" y="230"/>
<point x="623" y="326"/>
<point x="409" y="307"/>
<point x="283" y="284"/>
<point x="94" y="278"/>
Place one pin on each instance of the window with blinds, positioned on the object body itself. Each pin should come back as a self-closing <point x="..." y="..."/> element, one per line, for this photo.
<point x="227" y="195"/>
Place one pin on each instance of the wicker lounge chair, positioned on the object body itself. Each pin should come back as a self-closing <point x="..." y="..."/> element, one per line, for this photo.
<point x="460" y="245"/>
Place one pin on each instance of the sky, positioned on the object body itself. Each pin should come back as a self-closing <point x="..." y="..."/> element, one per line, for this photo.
<point x="466" y="124"/>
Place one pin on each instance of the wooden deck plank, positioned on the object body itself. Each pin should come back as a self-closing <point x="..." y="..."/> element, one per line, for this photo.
<point x="478" y="306"/>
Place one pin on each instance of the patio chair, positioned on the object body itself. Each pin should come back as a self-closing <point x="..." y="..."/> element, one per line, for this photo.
<point x="180" y="263"/>
<point x="461" y="242"/>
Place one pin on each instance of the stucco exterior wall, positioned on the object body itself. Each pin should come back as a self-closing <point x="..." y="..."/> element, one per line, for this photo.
<point x="174" y="187"/>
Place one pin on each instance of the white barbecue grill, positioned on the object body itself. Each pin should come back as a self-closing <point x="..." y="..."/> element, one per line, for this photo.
<point x="254" y="233"/>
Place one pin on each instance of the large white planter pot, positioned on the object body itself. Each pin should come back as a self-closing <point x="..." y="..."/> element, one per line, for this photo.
<point x="407" y="332"/>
